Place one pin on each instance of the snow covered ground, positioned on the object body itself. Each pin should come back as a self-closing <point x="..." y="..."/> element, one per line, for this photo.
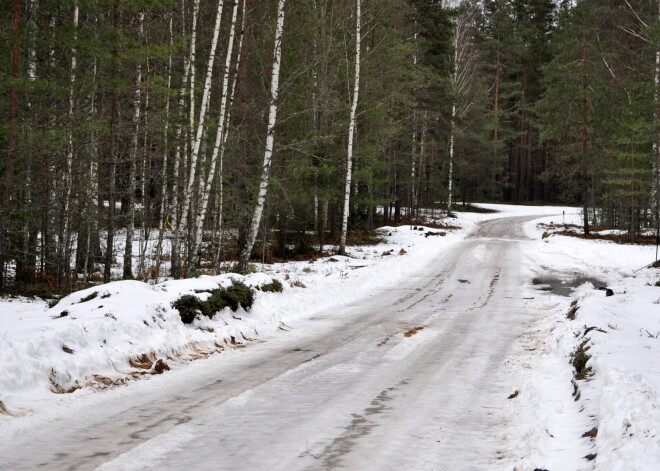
<point x="89" y="342"/>
<point x="609" y="419"/>
<point x="83" y="342"/>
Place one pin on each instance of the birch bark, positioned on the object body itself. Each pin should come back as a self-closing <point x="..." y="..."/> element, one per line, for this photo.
<point x="166" y="130"/>
<point x="462" y="87"/>
<point x="270" y="141"/>
<point x="130" y="197"/>
<point x="351" y="127"/>
<point x="64" y="241"/>
<point x="114" y="98"/>
<point x="197" y="141"/>
<point x="219" y="142"/>
<point x="187" y="66"/>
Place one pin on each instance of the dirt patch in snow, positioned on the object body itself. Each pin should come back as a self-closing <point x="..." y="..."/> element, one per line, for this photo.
<point x="412" y="332"/>
<point x="3" y="410"/>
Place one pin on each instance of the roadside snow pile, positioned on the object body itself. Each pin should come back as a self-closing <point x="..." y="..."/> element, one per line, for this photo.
<point x="621" y="336"/>
<point x="588" y="370"/>
<point x="103" y="335"/>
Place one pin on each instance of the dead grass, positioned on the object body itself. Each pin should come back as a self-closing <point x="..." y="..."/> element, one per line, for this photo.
<point x="573" y="230"/>
<point x="617" y="238"/>
<point x="469" y="208"/>
<point x="144" y="365"/>
<point x="591" y="433"/>
<point x="432" y="223"/>
<point x="3" y="410"/>
<point x="143" y="362"/>
<point x="384" y="341"/>
<point x="412" y="332"/>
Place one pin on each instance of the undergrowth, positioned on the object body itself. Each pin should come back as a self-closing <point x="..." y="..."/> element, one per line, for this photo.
<point x="190" y="306"/>
<point x="274" y="287"/>
<point x="580" y="359"/>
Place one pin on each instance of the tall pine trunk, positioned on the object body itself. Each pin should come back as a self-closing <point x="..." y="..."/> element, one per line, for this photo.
<point x="12" y="141"/>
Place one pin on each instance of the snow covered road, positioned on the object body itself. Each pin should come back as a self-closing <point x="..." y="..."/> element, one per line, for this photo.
<point x="411" y="378"/>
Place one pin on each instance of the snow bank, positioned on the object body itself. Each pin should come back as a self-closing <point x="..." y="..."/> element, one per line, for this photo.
<point x="610" y="419"/>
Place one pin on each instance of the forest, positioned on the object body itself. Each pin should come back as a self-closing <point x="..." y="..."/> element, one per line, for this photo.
<point x="142" y="139"/>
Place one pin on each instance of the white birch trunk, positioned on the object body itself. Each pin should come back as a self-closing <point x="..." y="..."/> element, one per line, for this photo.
<point x="192" y="65"/>
<point x="219" y="142"/>
<point x="220" y="176"/>
<point x="413" y="169"/>
<point x="32" y="50"/>
<point x="68" y="172"/>
<point x="450" y="183"/>
<point x="351" y="128"/>
<point x="422" y="151"/>
<point x="163" y="187"/>
<point x="197" y="141"/>
<point x="270" y="141"/>
<point x="175" y="210"/>
<point x="462" y="83"/>
<point x="144" y="233"/>
<point x="92" y="200"/>
<point x="130" y="225"/>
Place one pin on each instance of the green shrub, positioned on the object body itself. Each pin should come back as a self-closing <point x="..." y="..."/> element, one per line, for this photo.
<point x="53" y="302"/>
<point x="188" y="306"/>
<point x="274" y="287"/>
<point x="88" y="297"/>
<point x="238" y="294"/>
<point x="579" y="362"/>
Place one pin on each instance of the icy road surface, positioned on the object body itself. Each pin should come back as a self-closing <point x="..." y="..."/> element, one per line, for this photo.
<point x="411" y="378"/>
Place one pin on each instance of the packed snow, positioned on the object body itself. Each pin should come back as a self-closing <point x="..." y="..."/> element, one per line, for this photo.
<point x="112" y="334"/>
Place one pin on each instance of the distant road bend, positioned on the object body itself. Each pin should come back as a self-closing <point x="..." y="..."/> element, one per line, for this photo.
<point x="411" y="379"/>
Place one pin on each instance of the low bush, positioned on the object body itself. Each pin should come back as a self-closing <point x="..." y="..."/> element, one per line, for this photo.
<point x="89" y="297"/>
<point x="580" y="359"/>
<point x="190" y="306"/>
<point x="240" y="294"/>
<point x="274" y="287"/>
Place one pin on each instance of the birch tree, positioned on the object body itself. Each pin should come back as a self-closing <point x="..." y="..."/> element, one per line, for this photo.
<point x="270" y="141"/>
<point x="130" y="197"/>
<point x="220" y="139"/>
<point x="351" y="127"/>
<point x="462" y="82"/>
<point x="199" y="133"/>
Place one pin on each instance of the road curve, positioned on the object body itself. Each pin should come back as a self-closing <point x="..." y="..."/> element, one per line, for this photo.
<point x="413" y="378"/>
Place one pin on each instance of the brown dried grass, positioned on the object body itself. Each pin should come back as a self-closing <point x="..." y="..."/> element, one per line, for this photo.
<point x="412" y="332"/>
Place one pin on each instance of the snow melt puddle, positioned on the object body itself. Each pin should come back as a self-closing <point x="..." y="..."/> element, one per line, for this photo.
<point x="565" y="286"/>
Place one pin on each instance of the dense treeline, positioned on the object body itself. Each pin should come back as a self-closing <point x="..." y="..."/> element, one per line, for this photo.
<point x="192" y="131"/>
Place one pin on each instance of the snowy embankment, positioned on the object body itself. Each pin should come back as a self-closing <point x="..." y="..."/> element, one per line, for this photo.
<point x="603" y="414"/>
<point x="112" y="333"/>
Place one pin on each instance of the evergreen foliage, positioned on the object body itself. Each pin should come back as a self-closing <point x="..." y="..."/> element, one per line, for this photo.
<point x="101" y="112"/>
